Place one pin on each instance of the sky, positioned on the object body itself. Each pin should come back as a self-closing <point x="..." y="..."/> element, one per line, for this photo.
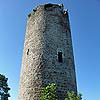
<point x="85" y="27"/>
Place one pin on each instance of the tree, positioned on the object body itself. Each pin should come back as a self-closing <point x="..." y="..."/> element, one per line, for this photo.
<point x="48" y="93"/>
<point x="4" y="88"/>
<point x="72" y="96"/>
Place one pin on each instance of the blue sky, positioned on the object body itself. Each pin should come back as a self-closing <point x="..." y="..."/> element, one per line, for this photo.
<point x="85" y="26"/>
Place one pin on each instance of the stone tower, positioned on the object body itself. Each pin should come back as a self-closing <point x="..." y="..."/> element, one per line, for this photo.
<point x="48" y="53"/>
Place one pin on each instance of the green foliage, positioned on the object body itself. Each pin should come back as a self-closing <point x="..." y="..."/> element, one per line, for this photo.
<point x="4" y="88"/>
<point x="72" y="96"/>
<point x="48" y="93"/>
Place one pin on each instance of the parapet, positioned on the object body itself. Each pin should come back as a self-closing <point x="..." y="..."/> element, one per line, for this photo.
<point x="50" y="7"/>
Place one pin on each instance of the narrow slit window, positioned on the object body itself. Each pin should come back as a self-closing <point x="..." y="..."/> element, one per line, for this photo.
<point x="60" y="57"/>
<point x="28" y="52"/>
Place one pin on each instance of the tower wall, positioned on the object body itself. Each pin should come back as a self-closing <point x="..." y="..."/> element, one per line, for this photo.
<point x="48" y="54"/>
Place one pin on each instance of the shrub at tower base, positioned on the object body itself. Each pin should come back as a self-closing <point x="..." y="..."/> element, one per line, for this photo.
<point x="49" y="93"/>
<point x="72" y="96"/>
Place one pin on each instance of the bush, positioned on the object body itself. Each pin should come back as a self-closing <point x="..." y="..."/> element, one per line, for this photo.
<point x="72" y="96"/>
<point x="48" y="93"/>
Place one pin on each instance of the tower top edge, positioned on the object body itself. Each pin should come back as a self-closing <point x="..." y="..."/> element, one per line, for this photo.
<point x="51" y="5"/>
<point x="48" y="7"/>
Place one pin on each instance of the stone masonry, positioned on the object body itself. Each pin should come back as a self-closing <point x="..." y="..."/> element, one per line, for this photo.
<point x="48" y="53"/>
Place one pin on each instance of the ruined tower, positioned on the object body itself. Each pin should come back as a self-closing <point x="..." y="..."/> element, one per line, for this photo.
<point x="48" y="53"/>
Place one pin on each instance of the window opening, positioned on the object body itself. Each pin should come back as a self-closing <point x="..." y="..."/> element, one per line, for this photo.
<point x="48" y="5"/>
<point x="60" y="57"/>
<point x="28" y="52"/>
